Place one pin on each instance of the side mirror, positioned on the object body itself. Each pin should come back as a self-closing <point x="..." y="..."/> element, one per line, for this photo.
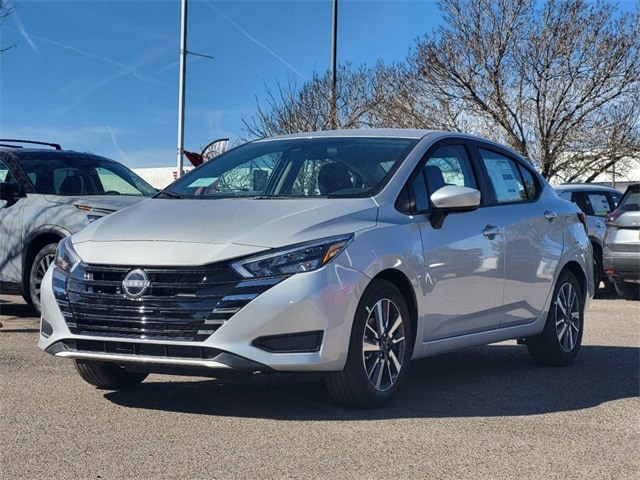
<point x="452" y="199"/>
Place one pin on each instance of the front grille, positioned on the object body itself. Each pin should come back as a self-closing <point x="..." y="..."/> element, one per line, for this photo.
<point x="182" y="303"/>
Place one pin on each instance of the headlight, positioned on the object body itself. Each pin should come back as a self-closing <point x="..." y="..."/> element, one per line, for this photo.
<point x="304" y="257"/>
<point x="66" y="257"/>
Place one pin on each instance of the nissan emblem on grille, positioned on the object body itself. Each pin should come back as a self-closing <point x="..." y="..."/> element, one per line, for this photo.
<point x="136" y="283"/>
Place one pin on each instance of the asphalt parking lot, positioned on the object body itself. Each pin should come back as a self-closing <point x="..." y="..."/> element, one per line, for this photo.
<point x="486" y="412"/>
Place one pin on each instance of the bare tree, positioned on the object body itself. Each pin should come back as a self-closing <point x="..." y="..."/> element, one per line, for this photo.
<point x="5" y="10"/>
<point x="548" y="79"/>
<point x="308" y="108"/>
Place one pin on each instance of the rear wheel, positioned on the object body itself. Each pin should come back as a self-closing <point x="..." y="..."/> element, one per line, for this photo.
<point x="108" y="375"/>
<point x="41" y="262"/>
<point x="628" y="291"/>
<point x="559" y="342"/>
<point x="379" y="350"/>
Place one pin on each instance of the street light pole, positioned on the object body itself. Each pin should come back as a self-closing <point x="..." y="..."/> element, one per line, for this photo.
<point x="334" y="48"/>
<point x="181" y="85"/>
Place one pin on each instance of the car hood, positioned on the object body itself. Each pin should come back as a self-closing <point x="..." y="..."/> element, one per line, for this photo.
<point x="196" y="232"/>
<point x="104" y="203"/>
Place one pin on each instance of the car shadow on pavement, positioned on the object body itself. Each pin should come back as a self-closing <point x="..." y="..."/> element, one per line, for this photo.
<point x="17" y="317"/>
<point x="496" y="380"/>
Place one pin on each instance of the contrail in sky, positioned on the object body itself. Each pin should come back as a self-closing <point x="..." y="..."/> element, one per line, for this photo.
<point x="23" y="32"/>
<point x="254" y="40"/>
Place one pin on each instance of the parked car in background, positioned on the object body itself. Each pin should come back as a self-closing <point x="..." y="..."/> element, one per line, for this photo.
<point x="347" y="253"/>
<point x="596" y="201"/>
<point x="621" y="256"/>
<point x="46" y="194"/>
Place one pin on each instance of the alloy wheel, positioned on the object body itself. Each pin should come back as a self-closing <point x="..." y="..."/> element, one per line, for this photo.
<point x="567" y="317"/>
<point x="383" y="344"/>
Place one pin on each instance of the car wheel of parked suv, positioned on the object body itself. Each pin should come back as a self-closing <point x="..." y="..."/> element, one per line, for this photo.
<point x="628" y="291"/>
<point x="379" y="350"/>
<point x="559" y="342"/>
<point x="39" y="267"/>
<point x="108" y="375"/>
<point x="598" y="273"/>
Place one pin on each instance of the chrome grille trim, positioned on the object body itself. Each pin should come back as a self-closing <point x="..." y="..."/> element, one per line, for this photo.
<point x="182" y="304"/>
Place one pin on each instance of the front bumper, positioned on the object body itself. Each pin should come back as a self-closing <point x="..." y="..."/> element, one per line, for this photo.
<point x="302" y="323"/>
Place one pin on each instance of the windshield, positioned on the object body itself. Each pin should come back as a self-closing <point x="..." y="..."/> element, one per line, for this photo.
<point x="72" y="174"/>
<point x="301" y="167"/>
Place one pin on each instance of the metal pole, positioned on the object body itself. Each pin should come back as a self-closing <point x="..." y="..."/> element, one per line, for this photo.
<point x="334" y="48"/>
<point x="181" y="85"/>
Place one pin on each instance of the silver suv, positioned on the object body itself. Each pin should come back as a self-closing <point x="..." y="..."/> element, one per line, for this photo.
<point x="596" y="201"/>
<point x="347" y="253"/>
<point x="47" y="194"/>
<point x="622" y="245"/>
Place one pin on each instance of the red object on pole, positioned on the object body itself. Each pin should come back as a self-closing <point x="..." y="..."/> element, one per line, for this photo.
<point x="195" y="158"/>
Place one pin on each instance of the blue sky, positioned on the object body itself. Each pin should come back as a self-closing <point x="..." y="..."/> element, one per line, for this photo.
<point x="102" y="76"/>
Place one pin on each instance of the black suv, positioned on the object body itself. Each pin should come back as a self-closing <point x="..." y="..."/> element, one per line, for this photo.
<point x="46" y="194"/>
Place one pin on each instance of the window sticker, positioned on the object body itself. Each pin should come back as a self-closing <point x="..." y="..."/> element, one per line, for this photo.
<point x="600" y="204"/>
<point x="203" y="182"/>
<point x="504" y="181"/>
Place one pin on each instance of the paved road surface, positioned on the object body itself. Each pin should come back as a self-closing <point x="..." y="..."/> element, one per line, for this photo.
<point x="484" y="413"/>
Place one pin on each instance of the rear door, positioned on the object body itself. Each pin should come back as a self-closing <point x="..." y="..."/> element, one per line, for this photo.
<point x="533" y="235"/>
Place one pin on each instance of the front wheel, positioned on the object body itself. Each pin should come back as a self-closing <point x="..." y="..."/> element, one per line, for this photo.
<point x="41" y="262"/>
<point x="379" y="350"/>
<point x="559" y="342"/>
<point x="107" y="375"/>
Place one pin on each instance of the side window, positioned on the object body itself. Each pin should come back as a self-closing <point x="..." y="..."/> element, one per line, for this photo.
<point x="506" y="178"/>
<point x="448" y="165"/>
<point x="110" y="182"/>
<point x="583" y="201"/>
<point x="599" y="204"/>
<point x="531" y="185"/>
<point x="5" y="173"/>
<point x="615" y="199"/>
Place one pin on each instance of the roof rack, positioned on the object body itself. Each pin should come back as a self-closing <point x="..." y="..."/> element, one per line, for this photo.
<point x="31" y="142"/>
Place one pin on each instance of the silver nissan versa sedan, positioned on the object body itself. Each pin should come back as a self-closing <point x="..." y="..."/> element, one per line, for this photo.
<point x="347" y="253"/>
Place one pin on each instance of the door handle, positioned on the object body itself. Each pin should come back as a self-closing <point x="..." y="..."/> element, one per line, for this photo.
<point x="550" y="215"/>
<point x="490" y="231"/>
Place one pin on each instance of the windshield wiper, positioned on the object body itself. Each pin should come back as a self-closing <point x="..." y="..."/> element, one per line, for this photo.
<point x="169" y="194"/>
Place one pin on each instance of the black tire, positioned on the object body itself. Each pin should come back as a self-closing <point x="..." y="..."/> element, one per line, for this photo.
<point x="599" y="275"/>
<point x="628" y="291"/>
<point x="41" y="262"/>
<point x="560" y="341"/>
<point x="379" y="350"/>
<point x="598" y="272"/>
<point x="107" y="375"/>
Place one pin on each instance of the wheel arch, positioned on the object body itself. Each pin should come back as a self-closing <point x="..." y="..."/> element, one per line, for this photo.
<point x="403" y="284"/>
<point x="574" y="267"/>
<point x="35" y="242"/>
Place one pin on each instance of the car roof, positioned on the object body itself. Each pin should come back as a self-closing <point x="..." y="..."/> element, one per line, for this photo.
<point x="411" y="133"/>
<point x="43" y="153"/>
<point x="368" y="132"/>
<point x="584" y="187"/>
